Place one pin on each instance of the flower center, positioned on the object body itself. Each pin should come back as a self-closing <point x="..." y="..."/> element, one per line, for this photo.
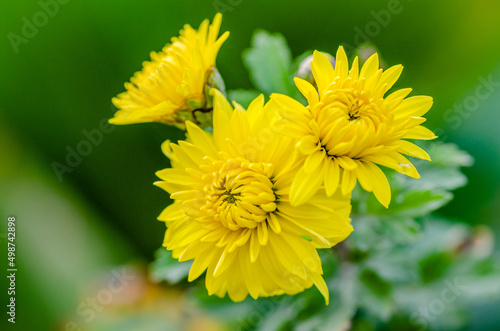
<point x="353" y="112"/>
<point x="238" y="193"/>
<point x="348" y="117"/>
<point x="230" y="197"/>
<point x="353" y="106"/>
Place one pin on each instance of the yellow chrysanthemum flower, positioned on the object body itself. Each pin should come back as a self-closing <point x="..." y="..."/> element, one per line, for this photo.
<point x="232" y="213"/>
<point x="172" y="87"/>
<point x="348" y="127"/>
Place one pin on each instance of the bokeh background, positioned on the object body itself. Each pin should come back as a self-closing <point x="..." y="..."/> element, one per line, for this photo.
<point x="57" y="81"/>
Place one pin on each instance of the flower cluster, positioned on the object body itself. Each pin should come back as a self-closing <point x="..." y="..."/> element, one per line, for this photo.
<point x="259" y="192"/>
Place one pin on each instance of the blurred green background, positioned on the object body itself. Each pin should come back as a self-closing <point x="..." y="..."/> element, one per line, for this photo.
<point x="57" y="82"/>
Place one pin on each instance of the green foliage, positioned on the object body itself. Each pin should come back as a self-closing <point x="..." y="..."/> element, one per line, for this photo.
<point x="165" y="267"/>
<point x="269" y="62"/>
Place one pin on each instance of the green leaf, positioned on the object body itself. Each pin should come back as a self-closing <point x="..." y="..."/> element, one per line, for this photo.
<point x="269" y="62"/>
<point x="165" y="267"/>
<point x="280" y="313"/>
<point x="374" y="232"/>
<point x="434" y="266"/>
<point x="418" y="197"/>
<point x="243" y="97"/>
<point x="434" y="178"/>
<point x="416" y="204"/>
<point x="315" y="315"/>
<point x="373" y="282"/>
<point x="443" y="172"/>
<point x="376" y="293"/>
<point x="448" y="155"/>
<point x="410" y="204"/>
